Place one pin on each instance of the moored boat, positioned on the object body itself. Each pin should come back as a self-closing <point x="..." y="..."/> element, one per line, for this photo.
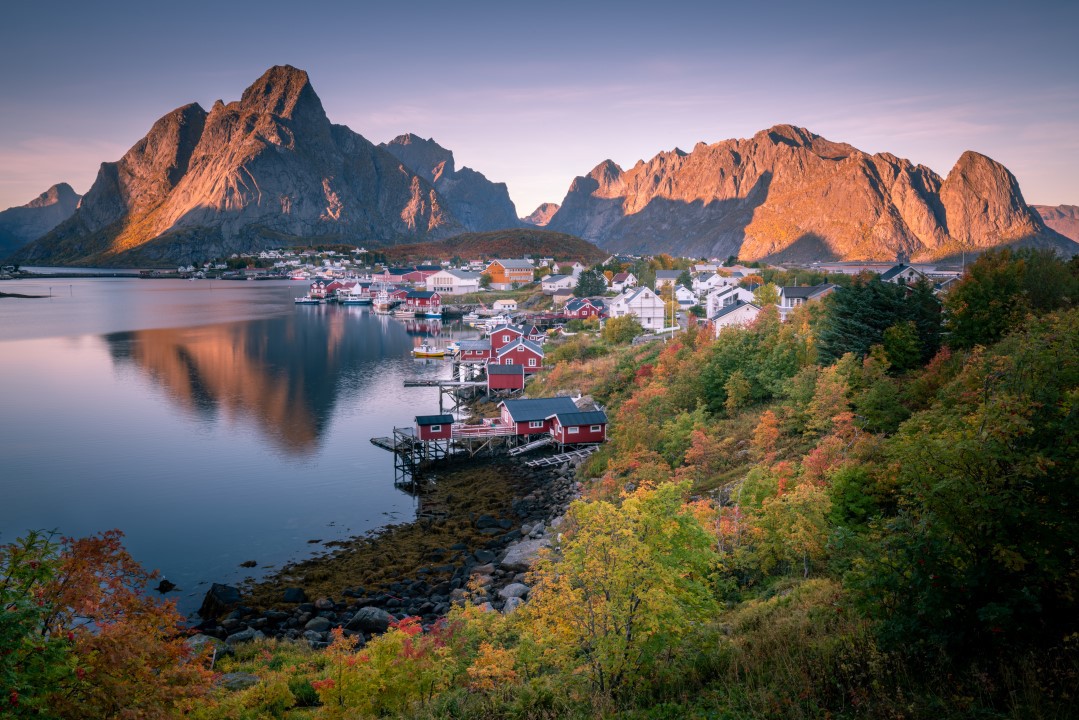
<point x="307" y="300"/>
<point x="428" y="351"/>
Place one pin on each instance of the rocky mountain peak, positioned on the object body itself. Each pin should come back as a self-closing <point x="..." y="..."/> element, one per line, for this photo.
<point x="283" y="91"/>
<point x="789" y="194"/>
<point x="542" y="214"/>
<point x="983" y="203"/>
<point x="426" y="158"/>
<point x="60" y="193"/>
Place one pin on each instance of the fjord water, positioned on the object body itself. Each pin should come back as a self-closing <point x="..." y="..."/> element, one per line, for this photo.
<point x="213" y="422"/>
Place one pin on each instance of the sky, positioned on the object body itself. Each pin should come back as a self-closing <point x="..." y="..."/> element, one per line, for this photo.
<point x="535" y="93"/>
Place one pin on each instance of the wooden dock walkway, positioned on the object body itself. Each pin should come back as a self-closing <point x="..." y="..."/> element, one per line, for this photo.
<point x="550" y="460"/>
<point x="534" y="445"/>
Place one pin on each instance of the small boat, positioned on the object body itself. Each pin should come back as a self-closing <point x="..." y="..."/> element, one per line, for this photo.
<point x="404" y="313"/>
<point x="355" y="299"/>
<point x="307" y="300"/>
<point x="453" y="348"/>
<point x="428" y="351"/>
<point x="471" y="318"/>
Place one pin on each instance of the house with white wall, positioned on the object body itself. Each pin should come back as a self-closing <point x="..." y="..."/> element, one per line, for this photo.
<point x="643" y="304"/>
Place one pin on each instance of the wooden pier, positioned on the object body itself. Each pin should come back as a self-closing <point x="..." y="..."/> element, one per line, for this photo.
<point x="579" y="454"/>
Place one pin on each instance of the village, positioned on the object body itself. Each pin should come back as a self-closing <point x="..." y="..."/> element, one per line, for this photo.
<point x="518" y="305"/>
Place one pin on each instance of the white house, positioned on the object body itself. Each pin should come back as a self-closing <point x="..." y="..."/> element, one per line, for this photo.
<point x="685" y="296"/>
<point x="504" y="306"/>
<point x="453" y="282"/>
<point x="791" y="297"/>
<point x="721" y="297"/>
<point x="706" y="282"/>
<point x="737" y="314"/>
<point x="577" y="268"/>
<point x="902" y="274"/>
<point x="553" y="283"/>
<point x="642" y="303"/>
<point x="623" y="281"/>
<point x="666" y="277"/>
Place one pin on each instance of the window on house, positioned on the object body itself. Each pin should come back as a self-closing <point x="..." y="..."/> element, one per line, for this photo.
<point x="531" y="362"/>
<point x="509" y="361"/>
<point x="535" y="423"/>
<point x="573" y="430"/>
<point x="505" y="338"/>
<point x="595" y="428"/>
<point x="436" y="428"/>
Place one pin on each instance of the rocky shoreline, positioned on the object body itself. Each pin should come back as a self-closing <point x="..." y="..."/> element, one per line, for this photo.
<point x="499" y="515"/>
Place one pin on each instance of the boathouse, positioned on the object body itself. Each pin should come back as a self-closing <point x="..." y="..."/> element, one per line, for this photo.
<point x="503" y="335"/>
<point x="423" y="302"/>
<point x="434" y="427"/>
<point x="579" y="427"/>
<point x="534" y="416"/>
<point x="505" y="378"/>
<point x="519" y="352"/>
<point x="475" y="351"/>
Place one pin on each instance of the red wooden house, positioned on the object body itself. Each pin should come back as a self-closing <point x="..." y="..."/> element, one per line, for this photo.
<point x="424" y="303"/>
<point x="399" y="295"/>
<point x="520" y="352"/>
<point x="502" y="378"/>
<point x="475" y="351"/>
<point x="584" y="308"/>
<point x="434" y="427"/>
<point x="503" y="335"/>
<point x="318" y="288"/>
<point x="534" y="334"/>
<point x="579" y="427"/>
<point x="534" y="416"/>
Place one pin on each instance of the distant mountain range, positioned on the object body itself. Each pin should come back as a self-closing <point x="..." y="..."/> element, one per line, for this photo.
<point x="1062" y="218"/>
<point x="20" y="225"/>
<point x="270" y="170"/>
<point x="788" y="194"/>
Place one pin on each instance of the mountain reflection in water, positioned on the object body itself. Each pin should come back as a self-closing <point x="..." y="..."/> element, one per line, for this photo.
<point x="286" y="373"/>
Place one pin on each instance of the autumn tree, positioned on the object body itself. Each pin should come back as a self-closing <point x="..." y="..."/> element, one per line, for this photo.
<point x="87" y="641"/>
<point x="631" y="588"/>
<point x="766" y="295"/>
<point x="621" y="330"/>
<point x="981" y="554"/>
<point x="1001" y="287"/>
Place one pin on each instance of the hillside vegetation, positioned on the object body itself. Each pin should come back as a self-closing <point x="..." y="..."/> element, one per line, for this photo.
<point x="515" y="243"/>
<point x="865" y="512"/>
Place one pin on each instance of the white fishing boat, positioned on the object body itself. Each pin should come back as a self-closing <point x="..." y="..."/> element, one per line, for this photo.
<point x="307" y="300"/>
<point x="404" y="313"/>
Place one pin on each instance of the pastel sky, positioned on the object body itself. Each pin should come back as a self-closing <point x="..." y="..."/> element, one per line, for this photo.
<point x="534" y="93"/>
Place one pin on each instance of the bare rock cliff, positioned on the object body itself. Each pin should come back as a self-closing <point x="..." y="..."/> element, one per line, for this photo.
<point x="265" y="171"/>
<point x="788" y="194"/>
<point x="541" y="215"/>
<point x="20" y="225"/>
<point x="479" y="204"/>
<point x="1062" y="218"/>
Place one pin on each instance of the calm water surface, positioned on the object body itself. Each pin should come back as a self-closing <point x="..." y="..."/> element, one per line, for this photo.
<point x="213" y="422"/>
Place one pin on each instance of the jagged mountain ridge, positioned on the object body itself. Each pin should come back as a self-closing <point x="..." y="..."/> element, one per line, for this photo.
<point x="1062" y="218"/>
<point x="475" y="201"/>
<point x="267" y="170"/>
<point x="788" y="194"/>
<point x="542" y="215"/>
<point x="25" y="223"/>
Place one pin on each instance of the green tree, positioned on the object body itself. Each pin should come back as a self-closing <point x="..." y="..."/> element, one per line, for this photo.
<point x="981" y="554"/>
<point x="621" y="330"/>
<point x="485" y="280"/>
<point x="767" y="294"/>
<point x="590" y="283"/>
<point x="630" y="590"/>
<point x="901" y="345"/>
<point x="685" y="279"/>
<point x="1000" y="288"/>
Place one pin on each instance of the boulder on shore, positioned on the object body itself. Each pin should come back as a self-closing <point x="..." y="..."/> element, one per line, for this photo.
<point x="219" y="600"/>
<point x="370" y="620"/>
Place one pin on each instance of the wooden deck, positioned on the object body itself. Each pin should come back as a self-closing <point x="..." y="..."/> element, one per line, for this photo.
<point x="550" y="460"/>
<point x="459" y="431"/>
